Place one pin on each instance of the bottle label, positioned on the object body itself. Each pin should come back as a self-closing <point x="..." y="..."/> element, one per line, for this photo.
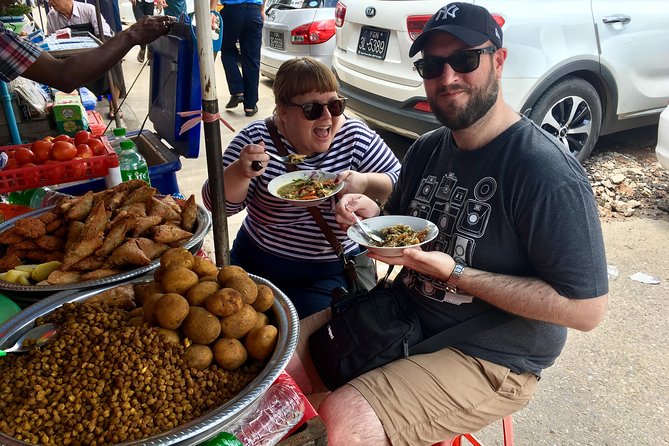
<point x="140" y="173"/>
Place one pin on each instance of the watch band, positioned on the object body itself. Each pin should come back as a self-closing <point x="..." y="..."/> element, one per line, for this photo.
<point x="452" y="282"/>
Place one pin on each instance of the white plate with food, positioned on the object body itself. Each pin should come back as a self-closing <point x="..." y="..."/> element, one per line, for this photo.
<point x="397" y="231"/>
<point x="305" y="188"/>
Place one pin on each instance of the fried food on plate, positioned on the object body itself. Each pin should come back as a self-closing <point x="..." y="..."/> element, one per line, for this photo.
<point x="81" y="207"/>
<point x="189" y="214"/>
<point x="54" y="225"/>
<point x="114" y="238"/>
<point x="169" y="234"/>
<point x="141" y="195"/>
<point x="10" y="236"/>
<point x="96" y="222"/>
<point x="9" y="262"/>
<point x="152" y="249"/>
<point x="82" y="248"/>
<point x="140" y="225"/>
<point x="30" y="227"/>
<point x="89" y="263"/>
<point x="50" y="243"/>
<point x="48" y="217"/>
<point x="74" y="233"/>
<point x="163" y="210"/>
<point x="100" y="273"/>
<point x="58" y="277"/>
<point x="128" y="253"/>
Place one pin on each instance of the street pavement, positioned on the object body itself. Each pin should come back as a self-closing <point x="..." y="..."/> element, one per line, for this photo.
<point x="609" y="386"/>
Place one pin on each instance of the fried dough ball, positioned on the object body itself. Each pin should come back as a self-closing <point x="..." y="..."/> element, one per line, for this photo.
<point x="264" y="300"/>
<point x="171" y="310"/>
<point x="198" y="356"/>
<point x="246" y="286"/>
<point x="204" y="267"/>
<point x="261" y="321"/>
<point x="224" y="302"/>
<point x="149" y="307"/>
<point x="238" y="324"/>
<point x="228" y="271"/>
<point x="197" y="294"/>
<point x="260" y="342"/>
<point x="144" y="290"/>
<point x="201" y="326"/>
<point x="170" y="336"/>
<point x="229" y="354"/>
<point x="178" y="279"/>
<point x="177" y="257"/>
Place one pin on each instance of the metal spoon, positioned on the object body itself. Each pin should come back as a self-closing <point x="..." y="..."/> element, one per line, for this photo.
<point x="288" y="159"/>
<point x="41" y="334"/>
<point x="367" y="231"/>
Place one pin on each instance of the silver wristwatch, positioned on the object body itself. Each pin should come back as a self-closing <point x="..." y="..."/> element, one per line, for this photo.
<point x="452" y="283"/>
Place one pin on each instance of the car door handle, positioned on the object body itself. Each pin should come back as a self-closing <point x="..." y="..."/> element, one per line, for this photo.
<point x="617" y="19"/>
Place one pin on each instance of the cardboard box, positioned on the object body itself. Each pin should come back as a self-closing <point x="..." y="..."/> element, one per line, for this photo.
<point x="69" y="113"/>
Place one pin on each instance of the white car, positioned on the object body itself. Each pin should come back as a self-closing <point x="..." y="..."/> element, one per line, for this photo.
<point x="578" y="68"/>
<point x="295" y="28"/>
<point x="662" y="147"/>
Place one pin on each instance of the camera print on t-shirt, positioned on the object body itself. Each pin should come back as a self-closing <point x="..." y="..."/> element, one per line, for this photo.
<point x="461" y="215"/>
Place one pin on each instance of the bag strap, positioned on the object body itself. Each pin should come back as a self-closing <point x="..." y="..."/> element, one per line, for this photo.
<point x="349" y="266"/>
<point x="465" y="329"/>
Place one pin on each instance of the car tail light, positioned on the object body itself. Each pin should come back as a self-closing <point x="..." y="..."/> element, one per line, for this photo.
<point x="313" y="33"/>
<point x="422" y="106"/>
<point x="415" y="25"/>
<point x="340" y="14"/>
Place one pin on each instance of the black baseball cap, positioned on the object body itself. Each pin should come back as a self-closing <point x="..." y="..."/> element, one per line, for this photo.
<point x="472" y="24"/>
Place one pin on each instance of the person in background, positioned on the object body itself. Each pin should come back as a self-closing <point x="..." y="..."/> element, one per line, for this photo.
<point x="497" y="186"/>
<point x="141" y="8"/>
<point x="279" y="241"/>
<point x="66" y="13"/>
<point x="242" y="23"/>
<point x="173" y="8"/>
<point x="23" y="58"/>
<point x="110" y="11"/>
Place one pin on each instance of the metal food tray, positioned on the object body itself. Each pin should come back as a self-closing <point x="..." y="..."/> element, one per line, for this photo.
<point x="208" y="425"/>
<point x="203" y="226"/>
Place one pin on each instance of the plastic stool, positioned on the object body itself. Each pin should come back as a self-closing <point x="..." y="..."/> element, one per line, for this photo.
<point x="507" y="432"/>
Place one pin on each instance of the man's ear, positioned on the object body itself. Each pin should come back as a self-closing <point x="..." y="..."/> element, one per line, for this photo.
<point x="499" y="58"/>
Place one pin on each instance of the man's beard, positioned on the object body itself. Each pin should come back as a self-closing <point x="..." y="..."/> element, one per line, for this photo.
<point x="482" y="100"/>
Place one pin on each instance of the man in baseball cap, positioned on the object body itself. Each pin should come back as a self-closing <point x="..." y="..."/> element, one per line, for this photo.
<point x="470" y="23"/>
<point x="496" y="185"/>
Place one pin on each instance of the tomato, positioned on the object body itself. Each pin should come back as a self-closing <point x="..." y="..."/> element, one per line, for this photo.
<point x="62" y="138"/>
<point x="79" y="169"/>
<point x="42" y="151"/>
<point x="97" y="147"/>
<point x="48" y="138"/>
<point x="63" y="151"/>
<point x="81" y="137"/>
<point x="24" y="155"/>
<point x="84" y="151"/>
<point x="11" y="164"/>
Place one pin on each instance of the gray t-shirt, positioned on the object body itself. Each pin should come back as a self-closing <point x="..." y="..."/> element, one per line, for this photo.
<point x="520" y="206"/>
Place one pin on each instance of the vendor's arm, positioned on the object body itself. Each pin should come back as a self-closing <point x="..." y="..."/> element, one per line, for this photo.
<point x="528" y="297"/>
<point x="74" y="71"/>
<point x="238" y="175"/>
<point x="375" y="185"/>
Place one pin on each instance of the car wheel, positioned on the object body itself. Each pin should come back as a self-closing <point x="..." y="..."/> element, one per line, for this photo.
<point x="571" y="111"/>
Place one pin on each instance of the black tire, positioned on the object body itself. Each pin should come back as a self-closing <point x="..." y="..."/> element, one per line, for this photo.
<point x="570" y="110"/>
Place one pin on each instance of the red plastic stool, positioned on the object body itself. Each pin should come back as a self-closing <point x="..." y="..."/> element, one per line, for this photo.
<point x="507" y="432"/>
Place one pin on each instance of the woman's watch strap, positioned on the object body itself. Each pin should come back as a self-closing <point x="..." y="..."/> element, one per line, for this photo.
<point x="452" y="282"/>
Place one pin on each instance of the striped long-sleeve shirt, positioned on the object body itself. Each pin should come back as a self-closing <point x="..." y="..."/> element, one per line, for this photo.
<point x="16" y="54"/>
<point x="289" y="231"/>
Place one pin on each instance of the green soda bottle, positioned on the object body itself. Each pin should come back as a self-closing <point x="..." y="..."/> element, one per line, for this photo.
<point x="223" y="439"/>
<point x="132" y="164"/>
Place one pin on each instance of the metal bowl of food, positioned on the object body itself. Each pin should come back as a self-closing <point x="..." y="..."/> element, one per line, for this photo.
<point x="209" y="424"/>
<point x="202" y="227"/>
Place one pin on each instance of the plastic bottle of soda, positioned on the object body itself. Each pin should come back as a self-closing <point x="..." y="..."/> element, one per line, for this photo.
<point x="132" y="164"/>
<point x="119" y="137"/>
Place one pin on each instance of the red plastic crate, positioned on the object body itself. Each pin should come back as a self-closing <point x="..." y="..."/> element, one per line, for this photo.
<point x="96" y="123"/>
<point x="63" y="172"/>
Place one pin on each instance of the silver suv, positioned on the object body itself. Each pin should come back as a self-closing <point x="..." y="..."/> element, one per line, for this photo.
<point x="578" y="68"/>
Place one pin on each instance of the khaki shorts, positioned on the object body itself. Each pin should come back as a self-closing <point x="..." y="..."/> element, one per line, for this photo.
<point x="425" y="399"/>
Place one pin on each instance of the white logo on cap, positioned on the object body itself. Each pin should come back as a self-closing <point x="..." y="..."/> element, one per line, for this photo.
<point x="448" y="12"/>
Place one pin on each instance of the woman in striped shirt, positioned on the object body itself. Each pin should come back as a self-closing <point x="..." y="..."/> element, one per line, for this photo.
<point x="279" y="241"/>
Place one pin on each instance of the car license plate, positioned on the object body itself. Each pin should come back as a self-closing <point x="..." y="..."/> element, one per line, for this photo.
<point x="373" y="43"/>
<point x="276" y="40"/>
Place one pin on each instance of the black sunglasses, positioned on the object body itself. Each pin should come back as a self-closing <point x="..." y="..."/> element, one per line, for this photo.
<point x="314" y="110"/>
<point x="462" y="62"/>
